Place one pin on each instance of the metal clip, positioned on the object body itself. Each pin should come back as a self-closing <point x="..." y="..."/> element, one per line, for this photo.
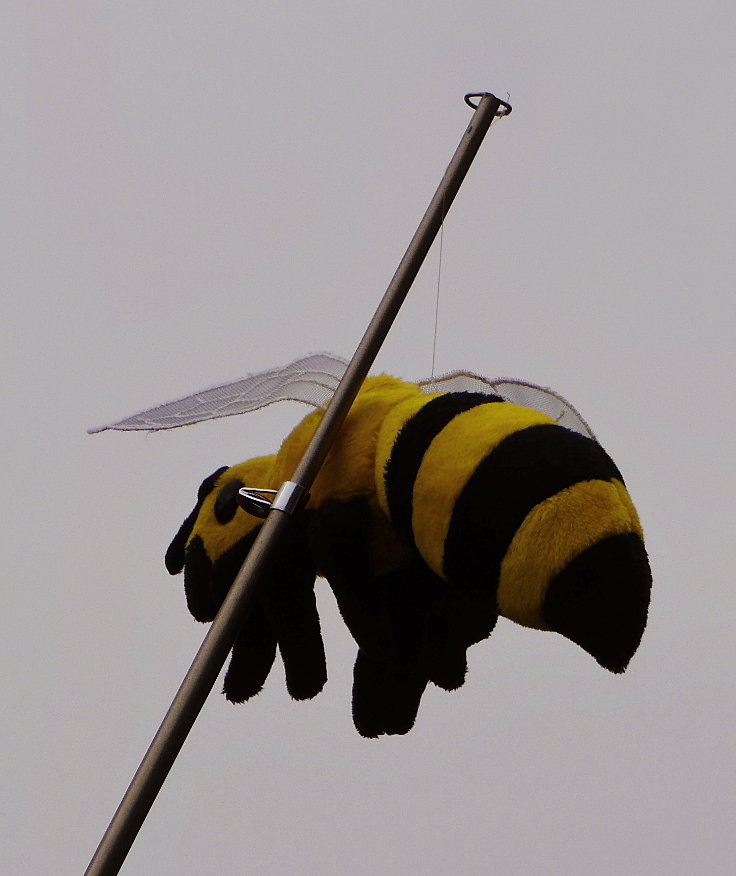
<point x="251" y="500"/>
<point x="289" y="498"/>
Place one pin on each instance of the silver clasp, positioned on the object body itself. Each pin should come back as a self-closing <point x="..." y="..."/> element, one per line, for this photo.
<point x="289" y="498"/>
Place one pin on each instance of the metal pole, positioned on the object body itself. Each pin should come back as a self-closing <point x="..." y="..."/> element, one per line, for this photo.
<point x="398" y="288"/>
<point x="209" y="660"/>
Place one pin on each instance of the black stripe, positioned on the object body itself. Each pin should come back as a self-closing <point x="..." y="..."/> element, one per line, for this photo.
<point x="411" y="444"/>
<point x="600" y="599"/>
<point x="524" y="469"/>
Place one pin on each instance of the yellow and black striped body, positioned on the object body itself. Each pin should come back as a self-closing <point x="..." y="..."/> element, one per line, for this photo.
<point x="497" y="496"/>
<point x="529" y="519"/>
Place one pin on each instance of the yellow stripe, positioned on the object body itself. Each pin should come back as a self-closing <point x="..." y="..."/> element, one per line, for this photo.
<point x="349" y="468"/>
<point x="552" y="534"/>
<point x="450" y="460"/>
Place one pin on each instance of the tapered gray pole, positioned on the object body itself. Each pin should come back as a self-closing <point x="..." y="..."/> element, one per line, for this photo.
<point x="202" y="674"/>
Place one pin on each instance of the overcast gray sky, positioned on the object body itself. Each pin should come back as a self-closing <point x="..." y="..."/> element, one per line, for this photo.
<point x="197" y="191"/>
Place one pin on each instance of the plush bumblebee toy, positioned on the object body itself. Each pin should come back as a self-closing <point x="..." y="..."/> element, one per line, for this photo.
<point x="434" y="512"/>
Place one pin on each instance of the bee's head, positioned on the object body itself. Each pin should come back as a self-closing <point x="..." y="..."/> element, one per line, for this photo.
<point x="214" y="540"/>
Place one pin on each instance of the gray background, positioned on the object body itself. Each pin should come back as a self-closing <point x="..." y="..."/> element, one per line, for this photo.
<point x="196" y="191"/>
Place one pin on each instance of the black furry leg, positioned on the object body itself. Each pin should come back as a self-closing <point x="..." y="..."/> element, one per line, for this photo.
<point x="386" y="696"/>
<point x="252" y="658"/>
<point x="411" y="627"/>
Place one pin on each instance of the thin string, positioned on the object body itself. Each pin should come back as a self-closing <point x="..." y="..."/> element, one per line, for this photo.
<point x="437" y="297"/>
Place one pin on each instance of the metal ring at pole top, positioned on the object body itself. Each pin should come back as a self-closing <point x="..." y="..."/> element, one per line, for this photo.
<point x="504" y="108"/>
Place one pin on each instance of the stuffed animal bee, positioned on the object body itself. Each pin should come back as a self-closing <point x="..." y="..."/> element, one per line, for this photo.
<point x="433" y="513"/>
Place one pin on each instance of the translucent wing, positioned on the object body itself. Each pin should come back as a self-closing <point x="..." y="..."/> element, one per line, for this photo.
<point x="541" y="399"/>
<point x="311" y="379"/>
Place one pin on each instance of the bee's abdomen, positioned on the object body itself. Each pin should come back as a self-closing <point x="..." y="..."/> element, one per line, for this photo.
<point x="500" y="499"/>
<point x="410" y="447"/>
<point x="600" y="600"/>
<point x="528" y="467"/>
<point x="443" y="455"/>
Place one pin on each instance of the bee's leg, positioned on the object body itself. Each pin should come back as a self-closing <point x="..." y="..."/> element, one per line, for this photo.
<point x="291" y="608"/>
<point x="252" y="658"/>
<point x="443" y="644"/>
<point x="202" y="602"/>
<point x="386" y="695"/>
<point x="411" y="627"/>
<point x="339" y="543"/>
<point x="388" y="679"/>
<point x="400" y="680"/>
<point x="459" y="618"/>
<point x="285" y="612"/>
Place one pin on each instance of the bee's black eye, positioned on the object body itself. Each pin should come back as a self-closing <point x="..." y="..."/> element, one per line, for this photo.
<point x="226" y="503"/>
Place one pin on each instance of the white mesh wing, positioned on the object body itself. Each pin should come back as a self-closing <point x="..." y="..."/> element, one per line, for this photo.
<point x="314" y="379"/>
<point x="311" y="379"/>
<point x="519" y="392"/>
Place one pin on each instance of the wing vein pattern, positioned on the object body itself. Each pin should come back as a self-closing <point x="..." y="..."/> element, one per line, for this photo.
<point x="313" y="380"/>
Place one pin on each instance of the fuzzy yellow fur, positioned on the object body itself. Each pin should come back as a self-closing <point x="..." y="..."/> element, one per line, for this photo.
<point x="448" y="463"/>
<point x="218" y="537"/>
<point x="552" y="535"/>
<point x="349" y="471"/>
